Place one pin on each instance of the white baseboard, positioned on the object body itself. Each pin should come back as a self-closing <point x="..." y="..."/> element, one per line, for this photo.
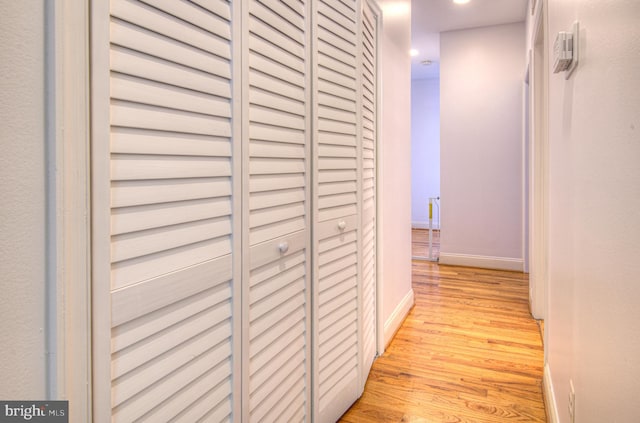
<point x="550" y="404"/>
<point x="396" y="319"/>
<point x="486" y="262"/>
<point x="424" y="225"/>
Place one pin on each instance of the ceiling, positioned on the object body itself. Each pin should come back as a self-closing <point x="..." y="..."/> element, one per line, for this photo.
<point x="430" y="17"/>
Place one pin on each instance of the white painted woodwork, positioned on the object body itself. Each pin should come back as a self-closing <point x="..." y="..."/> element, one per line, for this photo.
<point x="276" y="114"/>
<point x="171" y="234"/>
<point x="337" y="205"/>
<point x="237" y="194"/>
<point x="369" y="78"/>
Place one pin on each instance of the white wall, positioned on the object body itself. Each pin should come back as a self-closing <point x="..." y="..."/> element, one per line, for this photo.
<point x="22" y="193"/>
<point x="395" y="139"/>
<point x="594" y="224"/>
<point x="425" y="149"/>
<point x="482" y="72"/>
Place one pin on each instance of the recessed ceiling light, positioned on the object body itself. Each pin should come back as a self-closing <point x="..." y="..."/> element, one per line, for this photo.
<point x="413" y="52"/>
<point x="461" y="1"/>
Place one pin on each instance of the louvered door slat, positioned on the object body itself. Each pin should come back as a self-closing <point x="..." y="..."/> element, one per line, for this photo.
<point x="134" y="89"/>
<point x="283" y="12"/>
<point x="336" y="114"/>
<point x="137" y="115"/>
<point x="163" y="402"/>
<point x="333" y="12"/>
<point x="276" y="18"/>
<point x="276" y="112"/>
<point x="272" y="165"/>
<point x="276" y="85"/>
<point x="345" y="8"/>
<point x="196" y="16"/>
<point x="335" y="76"/>
<point x="276" y="53"/>
<point x="190" y="340"/>
<point x="297" y="6"/>
<point x="276" y="149"/>
<point x="337" y="200"/>
<point x="277" y="101"/>
<point x="171" y="183"/>
<point x="336" y="102"/>
<point x="130" y="246"/>
<point x="336" y="206"/>
<point x="261" y="200"/>
<point x="136" y="167"/>
<point x="289" y="364"/>
<point x="337" y="25"/>
<point x="137" y="192"/>
<point x="160" y="21"/>
<point x="342" y="128"/>
<point x="159" y="46"/>
<point x="133" y="219"/>
<point x="327" y="137"/>
<point x="281" y="323"/>
<point x="275" y="117"/>
<point x="264" y="132"/>
<point x="336" y="65"/>
<point x="260" y="29"/>
<point x="331" y="88"/>
<point x="134" y="141"/>
<point x="338" y="188"/>
<point x="330" y="150"/>
<point x="217" y="7"/>
<point x="130" y="272"/>
<point x="276" y="214"/>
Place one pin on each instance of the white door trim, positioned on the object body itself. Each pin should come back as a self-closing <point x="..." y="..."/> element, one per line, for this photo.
<point x="68" y="109"/>
<point x="100" y="214"/>
<point x="538" y="166"/>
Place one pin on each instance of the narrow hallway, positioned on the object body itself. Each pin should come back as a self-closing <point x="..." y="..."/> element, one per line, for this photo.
<point x="469" y="351"/>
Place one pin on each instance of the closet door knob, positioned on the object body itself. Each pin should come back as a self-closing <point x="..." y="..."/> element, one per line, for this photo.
<point x="342" y="225"/>
<point x="283" y="247"/>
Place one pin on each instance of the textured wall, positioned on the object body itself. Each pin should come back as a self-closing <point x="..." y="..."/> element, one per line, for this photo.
<point x="395" y="141"/>
<point x="425" y="148"/>
<point x="22" y="192"/>
<point x="594" y="229"/>
<point x="481" y="80"/>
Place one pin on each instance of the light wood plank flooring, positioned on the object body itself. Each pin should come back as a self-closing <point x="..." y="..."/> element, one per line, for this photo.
<point x="469" y="351"/>
<point x="420" y="243"/>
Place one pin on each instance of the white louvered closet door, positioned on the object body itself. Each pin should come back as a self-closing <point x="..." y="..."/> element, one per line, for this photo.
<point x="336" y="232"/>
<point x="165" y="252"/>
<point x="277" y="297"/>
<point x="369" y="84"/>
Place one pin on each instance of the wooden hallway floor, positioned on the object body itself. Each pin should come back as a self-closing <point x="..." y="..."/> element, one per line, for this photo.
<point x="469" y="351"/>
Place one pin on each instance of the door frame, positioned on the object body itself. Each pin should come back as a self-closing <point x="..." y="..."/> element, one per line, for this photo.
<point x="538" y="166"/>
<point x="380" y="344"/>
<point x="68" y="296"/>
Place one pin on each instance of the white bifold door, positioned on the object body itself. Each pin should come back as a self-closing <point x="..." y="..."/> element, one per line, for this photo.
<point x="233" y="208"/>
<point x="165" y="247"/>
<point x="276" y="281"/>
<point x="337" y="207"/>
<point x="368" y="124"/>
<point x="344" y="200"/>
